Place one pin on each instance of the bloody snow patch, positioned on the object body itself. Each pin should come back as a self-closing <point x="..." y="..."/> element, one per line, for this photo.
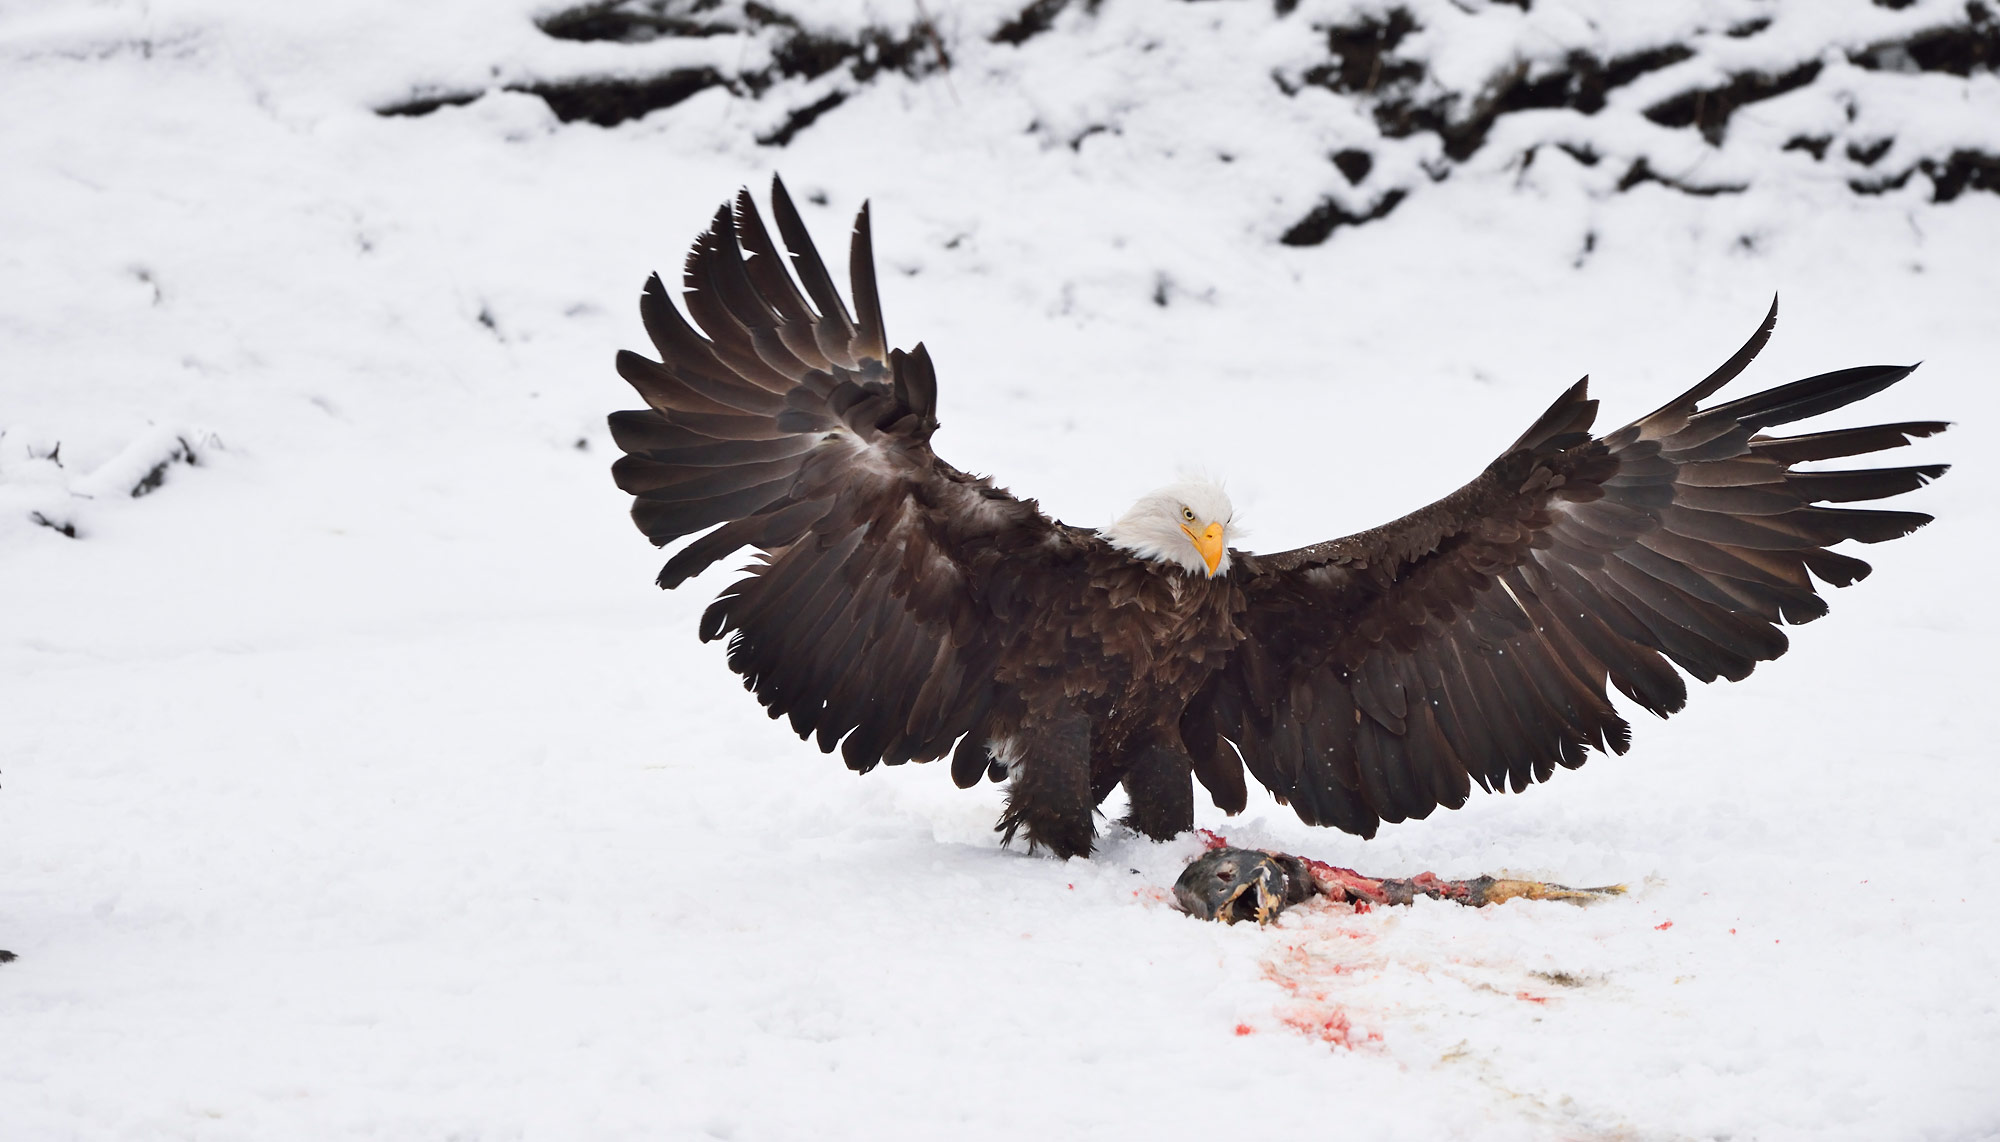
<point x="1357" y="979"/>
<point x="1329" y="962"/>
<point x="1308" y="964"/>
<point x="1328" y="1024"/>
<point x="1309" y="971"/>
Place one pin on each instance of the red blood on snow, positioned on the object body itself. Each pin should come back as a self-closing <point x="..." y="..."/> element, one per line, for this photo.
<point x="1330" y="1026"/>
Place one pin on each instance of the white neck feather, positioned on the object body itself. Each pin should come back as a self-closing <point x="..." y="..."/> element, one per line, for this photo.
<point x="1154" y="528"/>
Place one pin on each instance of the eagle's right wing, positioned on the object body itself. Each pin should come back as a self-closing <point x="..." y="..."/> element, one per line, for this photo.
<point x="883" y="592"/>
<point x="1472" y="641"/>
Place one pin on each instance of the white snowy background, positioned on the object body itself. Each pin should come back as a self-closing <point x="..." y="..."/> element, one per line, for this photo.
<point x="357" y="782"/>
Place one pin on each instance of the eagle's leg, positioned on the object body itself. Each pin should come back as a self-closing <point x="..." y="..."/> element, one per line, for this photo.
<point x="1160" y="783"/>
<point x="1049" y="797"/>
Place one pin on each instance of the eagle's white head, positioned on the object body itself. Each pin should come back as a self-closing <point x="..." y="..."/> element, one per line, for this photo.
<point x="1186" y="523"/>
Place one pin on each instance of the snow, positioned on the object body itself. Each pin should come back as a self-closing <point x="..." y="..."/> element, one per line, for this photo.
<point x="357" y="781"/>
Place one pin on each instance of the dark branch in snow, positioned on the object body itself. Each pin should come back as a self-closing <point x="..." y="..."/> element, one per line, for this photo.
<point x="425" y="104"/>
<point x="1954" y="49"/>
<point x="1319" y="224"/>
<point x="1032" y="21"/>
<point x="802" y="118"/>
<point x="64" y="526"/>
<point x="797" y="52"/>
<point x="608" y="103"/>
<point x="625" y="23"/>
<point x="1709" y="109"/>
<point x="157" y="475"/>
<point x="1962" y="171"/>
<point x="1642" y="173"/>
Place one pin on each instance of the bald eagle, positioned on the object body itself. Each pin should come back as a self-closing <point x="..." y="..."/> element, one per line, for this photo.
<point x="903" y="610"/>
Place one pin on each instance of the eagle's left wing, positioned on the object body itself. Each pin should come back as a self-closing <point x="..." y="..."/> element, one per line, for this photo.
<point x="1472" y="640"/>
<point x="886" y="580"/>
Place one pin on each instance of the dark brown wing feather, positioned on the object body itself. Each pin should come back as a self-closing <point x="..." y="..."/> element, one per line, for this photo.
<point x="1471" y="642"/>
<point x="786" y="425"/>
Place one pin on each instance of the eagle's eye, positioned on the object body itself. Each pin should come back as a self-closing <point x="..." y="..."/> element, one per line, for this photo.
<point x="1187" y="514"/>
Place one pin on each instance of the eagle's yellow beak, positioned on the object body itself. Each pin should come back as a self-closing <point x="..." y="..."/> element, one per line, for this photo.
<point x="1209" y="543"/>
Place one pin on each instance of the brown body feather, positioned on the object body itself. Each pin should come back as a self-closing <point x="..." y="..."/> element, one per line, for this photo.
<point x="902" y="610"/>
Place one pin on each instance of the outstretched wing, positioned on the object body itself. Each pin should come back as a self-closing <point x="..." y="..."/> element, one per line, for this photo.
<point x="1471" y="641"/>
<point x="791" y="428"/>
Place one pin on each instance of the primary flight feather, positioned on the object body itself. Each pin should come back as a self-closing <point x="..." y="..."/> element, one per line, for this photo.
<point x="902" y="610"/>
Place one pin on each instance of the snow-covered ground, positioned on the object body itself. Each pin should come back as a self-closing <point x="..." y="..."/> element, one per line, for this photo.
<point x="357" y="781"/>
